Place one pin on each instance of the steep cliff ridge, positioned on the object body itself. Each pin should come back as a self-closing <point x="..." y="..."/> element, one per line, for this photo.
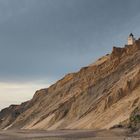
<point x="99" y="96"/>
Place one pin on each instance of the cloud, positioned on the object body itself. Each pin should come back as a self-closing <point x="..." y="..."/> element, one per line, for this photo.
<point x="47" y="39"/>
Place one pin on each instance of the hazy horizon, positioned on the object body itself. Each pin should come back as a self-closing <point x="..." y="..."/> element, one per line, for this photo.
<point x="41" y="41"/>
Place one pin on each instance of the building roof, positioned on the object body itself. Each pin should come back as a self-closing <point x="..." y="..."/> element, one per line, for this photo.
<point x="131" y="35"/>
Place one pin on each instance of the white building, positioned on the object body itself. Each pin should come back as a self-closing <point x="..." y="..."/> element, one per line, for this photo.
<point x="131" y="39"/>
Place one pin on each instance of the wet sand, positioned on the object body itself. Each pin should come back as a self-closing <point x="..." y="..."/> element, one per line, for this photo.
<point x="67" y="135"/>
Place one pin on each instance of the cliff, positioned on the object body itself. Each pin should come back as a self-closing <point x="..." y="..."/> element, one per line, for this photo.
<point x="99" y="96"/>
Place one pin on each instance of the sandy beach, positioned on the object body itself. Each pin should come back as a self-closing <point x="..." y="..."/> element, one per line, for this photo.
<point x="67" y="135"/>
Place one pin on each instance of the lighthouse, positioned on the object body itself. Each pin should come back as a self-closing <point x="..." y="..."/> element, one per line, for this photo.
<point x="131" y="39"/>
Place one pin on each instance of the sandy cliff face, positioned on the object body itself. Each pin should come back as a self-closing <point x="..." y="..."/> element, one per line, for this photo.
<point x="99" y="96"/>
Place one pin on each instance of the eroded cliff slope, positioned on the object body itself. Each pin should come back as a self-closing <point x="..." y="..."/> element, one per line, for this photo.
<point x="99" y="96"/>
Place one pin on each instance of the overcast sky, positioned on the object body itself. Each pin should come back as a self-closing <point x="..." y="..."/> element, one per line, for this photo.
<point x="42" y="40"/>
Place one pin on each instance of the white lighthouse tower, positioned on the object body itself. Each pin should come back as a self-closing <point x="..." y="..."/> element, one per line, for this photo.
<point x="131" y="39"/>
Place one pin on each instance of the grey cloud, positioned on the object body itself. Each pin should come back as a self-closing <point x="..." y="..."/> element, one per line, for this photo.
<point x="48" y="38"/>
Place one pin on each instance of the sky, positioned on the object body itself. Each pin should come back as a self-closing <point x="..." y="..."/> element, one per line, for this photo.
<point x="43" y="40"/>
